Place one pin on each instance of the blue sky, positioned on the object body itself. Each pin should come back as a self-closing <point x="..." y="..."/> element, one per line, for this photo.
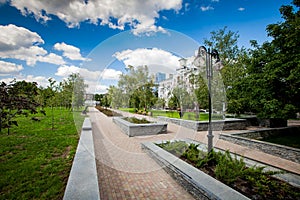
<point x="98" y="38"/>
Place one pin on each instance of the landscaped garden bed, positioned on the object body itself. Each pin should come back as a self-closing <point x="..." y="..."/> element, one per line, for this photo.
<point x="108" y="112"/>
<point x="241" y="180"/>
<point x="138" y="127"/>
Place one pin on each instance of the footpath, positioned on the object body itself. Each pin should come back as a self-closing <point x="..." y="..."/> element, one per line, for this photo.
<point x="126" y="172"/>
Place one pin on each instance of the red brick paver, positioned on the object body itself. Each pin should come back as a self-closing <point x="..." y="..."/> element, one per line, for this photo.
<point x="126" y="172"/>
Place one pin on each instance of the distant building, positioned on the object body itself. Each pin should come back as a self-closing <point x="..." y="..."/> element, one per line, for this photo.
<point x="159" y="77"/>
<point x="180" y="78"/>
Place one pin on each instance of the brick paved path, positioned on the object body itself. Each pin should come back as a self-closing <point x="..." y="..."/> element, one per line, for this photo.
<point x="126" y="172"/>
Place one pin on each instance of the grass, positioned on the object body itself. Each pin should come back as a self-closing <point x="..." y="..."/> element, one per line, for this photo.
<point x="36" y="160"/>
<point x="291" y="140"/>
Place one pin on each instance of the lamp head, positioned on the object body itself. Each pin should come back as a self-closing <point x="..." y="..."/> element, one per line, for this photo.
<point x="183" y="62"/>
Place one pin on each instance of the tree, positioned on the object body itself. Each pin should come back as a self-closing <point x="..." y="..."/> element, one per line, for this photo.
<point x="137" y="88"/>
<point x="272" y="83"/>
<point x="233" y="70"/>
<point x="17" y="98"/>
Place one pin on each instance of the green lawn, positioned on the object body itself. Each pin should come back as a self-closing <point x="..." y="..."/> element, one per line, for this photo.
<point x="291" y="140"/>
<point x="175" y="114"/>
<point x="186" y="116"/>
<point x="35" y="161"/>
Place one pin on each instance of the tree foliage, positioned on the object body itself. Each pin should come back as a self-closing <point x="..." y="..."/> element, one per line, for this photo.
<point x="272" y="81"/>
<point x="135" y="89"/>
<point x="17" y="98"/>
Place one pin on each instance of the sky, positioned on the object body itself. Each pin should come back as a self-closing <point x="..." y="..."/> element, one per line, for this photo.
<point x="99" y="38"/>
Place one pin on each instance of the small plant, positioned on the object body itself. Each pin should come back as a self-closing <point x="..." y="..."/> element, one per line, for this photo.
<point x="177" y="147"/>
<point x="108" y="112"/>
<point x="136" y="120"/>
<point x="253" y="181"/>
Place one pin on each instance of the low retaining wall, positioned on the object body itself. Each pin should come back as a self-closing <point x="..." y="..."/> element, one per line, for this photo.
<point x="140" y="129"/>
<point x="83" y="179"/>
<point x="196" y="182"/>
<point x="227" y="124"/>
<point x="249" y="139"/>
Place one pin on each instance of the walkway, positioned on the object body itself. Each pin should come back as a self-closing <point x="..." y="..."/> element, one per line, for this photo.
<point x="126" y="172"/>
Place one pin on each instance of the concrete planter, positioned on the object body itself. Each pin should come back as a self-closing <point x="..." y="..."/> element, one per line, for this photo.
<point x="227" y="124"/>
<point x="140" y="129"/>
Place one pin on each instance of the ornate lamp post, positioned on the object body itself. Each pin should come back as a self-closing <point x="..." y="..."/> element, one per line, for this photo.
<point x="206" y="56"/>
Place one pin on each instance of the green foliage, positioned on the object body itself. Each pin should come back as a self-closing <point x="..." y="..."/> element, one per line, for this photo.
<point x="17" y="98"/>
<point x="107" y="112"/>
<point x="271" y="77"/>
<point x="136" y="120"/>
<point x="192" y="153"/>
<point x="134" y="89"/>
<point x="234" y="172"/>
<point x="177" y="147"/>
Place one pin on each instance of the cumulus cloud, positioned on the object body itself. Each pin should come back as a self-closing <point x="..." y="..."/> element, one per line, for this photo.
<point x="69" y="51"/>
<point x="241" y="9"/>
<point x="110" y="74"/>
<point x="139" y="15"/>
<point x="157" y="60"/>
<point x="22" y="44"/>
<point x="41" y="80"/>
<point x="206" y="8"/>
<point x="8" y="68"/>
<point x="96" y="88"/>
<point x="65" y="71"/>
<point x="106" y="74"/>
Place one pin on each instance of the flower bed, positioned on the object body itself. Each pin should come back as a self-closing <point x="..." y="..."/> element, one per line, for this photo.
<point x="108" y="112"/>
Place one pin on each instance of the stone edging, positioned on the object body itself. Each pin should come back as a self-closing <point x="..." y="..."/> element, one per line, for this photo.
<point x="281" y="151"/>
<point x="83" y="179"/>
<point x="199" y="184"/>
<point x="227" y="124"/>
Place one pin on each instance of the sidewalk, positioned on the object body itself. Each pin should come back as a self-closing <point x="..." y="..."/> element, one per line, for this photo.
<point x="126" y="172"/>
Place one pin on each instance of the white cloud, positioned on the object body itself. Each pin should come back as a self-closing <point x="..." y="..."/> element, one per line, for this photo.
<point x="110" y="74"/>
<point x="241" y="9"/>
<point x="139" y="15"/>
<point x="206" y="8"/>
<point x="8" y="68"/>
<point x="106" y="74"/>
<point x="41" y="80"/>
<point x="22" y="44"/>
<point x="65" y="71"/>
<point x="69" y="51"/>
<point x="96" y="88"/>
<point x="155" y="59"/>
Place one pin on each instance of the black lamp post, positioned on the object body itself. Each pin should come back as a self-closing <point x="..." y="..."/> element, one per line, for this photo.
<point x="207" y="55"/>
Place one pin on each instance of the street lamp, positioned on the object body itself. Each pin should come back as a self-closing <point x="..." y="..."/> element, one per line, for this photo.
<point x="206" y="56"/>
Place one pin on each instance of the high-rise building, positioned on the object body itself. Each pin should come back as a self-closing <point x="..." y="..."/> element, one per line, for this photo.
<point x="159" y="77"/>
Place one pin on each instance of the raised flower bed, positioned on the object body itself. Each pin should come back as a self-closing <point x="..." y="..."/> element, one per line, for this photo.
<point x="137" y="129"/>
<point x="202" y="185"/>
